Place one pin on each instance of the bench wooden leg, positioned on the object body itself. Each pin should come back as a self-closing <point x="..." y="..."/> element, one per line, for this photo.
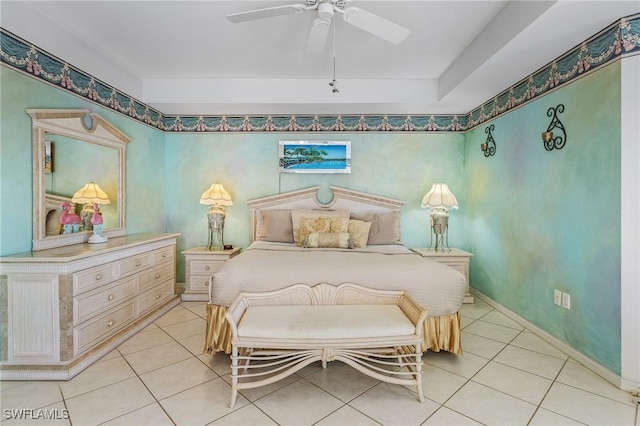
<point x="234" y="375"/>
<point x="418" y="376"/>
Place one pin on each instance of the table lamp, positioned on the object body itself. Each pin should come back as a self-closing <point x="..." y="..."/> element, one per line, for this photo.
<point x="439" y="199"/>
<point x="217" y="198"/>
<point x="91" y="195"/>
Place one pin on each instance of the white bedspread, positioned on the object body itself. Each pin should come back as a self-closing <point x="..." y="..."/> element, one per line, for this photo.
<point x="269" y="266"/>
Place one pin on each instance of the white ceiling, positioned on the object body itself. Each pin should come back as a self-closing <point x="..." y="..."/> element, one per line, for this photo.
<point x="185" y="57"/>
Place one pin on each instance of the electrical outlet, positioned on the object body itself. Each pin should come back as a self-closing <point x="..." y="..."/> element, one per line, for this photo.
<point x="566" y="300"/>
<point x="557" y="297"/>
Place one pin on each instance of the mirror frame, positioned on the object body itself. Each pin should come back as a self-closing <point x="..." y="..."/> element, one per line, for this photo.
<point x="72" y="123"/>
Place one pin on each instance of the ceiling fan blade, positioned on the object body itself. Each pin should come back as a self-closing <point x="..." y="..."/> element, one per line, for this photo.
<point x="375" y="25"/>
<point x="318" y="36"/>
<point x="269" y="12"/>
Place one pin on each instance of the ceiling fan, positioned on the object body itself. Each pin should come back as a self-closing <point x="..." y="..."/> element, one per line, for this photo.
<point x="326" y="9"/>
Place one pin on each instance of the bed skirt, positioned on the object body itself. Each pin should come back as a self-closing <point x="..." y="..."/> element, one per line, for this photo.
<point x="439" y="333"/>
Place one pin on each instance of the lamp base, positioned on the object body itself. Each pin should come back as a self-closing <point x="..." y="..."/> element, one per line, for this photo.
<point x="97" y="239"/>
<point x="216" y="229"/>
<point x="440" y="227"/>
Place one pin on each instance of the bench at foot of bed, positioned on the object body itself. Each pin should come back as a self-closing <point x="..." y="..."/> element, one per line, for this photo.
<point x="276" y="333"/>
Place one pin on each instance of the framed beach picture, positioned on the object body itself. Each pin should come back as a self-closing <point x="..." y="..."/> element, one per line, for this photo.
<point x="315" y="156"/>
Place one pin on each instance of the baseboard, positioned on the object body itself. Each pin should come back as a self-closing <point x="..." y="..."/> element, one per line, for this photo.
<point x="598" y="369"/>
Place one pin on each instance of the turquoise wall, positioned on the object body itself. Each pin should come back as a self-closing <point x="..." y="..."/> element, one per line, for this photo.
<point x="535" y="220"/>
<point x="538" y="221"/>
<point x="145" y="207"/>
<point x="401" y="166"/>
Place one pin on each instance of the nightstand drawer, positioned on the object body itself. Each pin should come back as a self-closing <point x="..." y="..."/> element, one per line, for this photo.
<point x="201" y="265"/>
<point x="93" y="303"/>
<point x="205" y="267"/>
<point x="199" y="283"/>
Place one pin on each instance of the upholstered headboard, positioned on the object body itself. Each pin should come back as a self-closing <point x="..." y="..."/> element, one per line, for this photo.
<point x="307" y="199"/>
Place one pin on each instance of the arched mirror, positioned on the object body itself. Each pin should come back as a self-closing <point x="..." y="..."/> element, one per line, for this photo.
<point x="72" y="148"/>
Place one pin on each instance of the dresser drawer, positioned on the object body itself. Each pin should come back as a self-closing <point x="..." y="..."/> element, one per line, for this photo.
<point x="155" y="297"/>
<point x="164" y="254"/>
<point x="155" y="276"/>
<point x="135" y="264"/>
<point x="93" y="277"/>
<point x="205" y="267"/>
<point x="99" y="300"/>
<point x="90" y="333"/>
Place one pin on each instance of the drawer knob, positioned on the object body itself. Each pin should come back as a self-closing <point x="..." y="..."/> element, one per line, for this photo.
<point x="164" y="255"/>
<point x="158" y="275"/>
<point x="98" y="277"/>
<point x="110" y="297"/>
<point x="206" y="283"/>
<point x="206" y="268"/>
<point x="157" y="296"/>
<point x="138" y="263"/>
<point x="110" y="323"/>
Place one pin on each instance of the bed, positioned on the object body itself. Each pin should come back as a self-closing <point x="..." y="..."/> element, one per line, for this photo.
<point x="356" y="238"/>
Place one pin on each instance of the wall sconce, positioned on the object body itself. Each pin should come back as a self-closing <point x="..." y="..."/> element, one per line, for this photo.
<point x="489" y="147"/>
<point x="216" y="197"/>
<point x="440" y="198"/>
<point x="557" y="141"/>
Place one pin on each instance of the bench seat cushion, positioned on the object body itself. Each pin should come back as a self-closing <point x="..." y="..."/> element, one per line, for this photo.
<point x="324" y="322"/>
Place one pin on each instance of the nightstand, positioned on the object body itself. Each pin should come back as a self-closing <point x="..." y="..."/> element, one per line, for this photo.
<point x="455" y="258"/>
<point x="201" y="264"/>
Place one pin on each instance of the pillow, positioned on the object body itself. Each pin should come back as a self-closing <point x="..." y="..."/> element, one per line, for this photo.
<point x="276" y="226"/>
<point x="310" y="225"/>
<point x="328" y="239"/>
<point x="385" y="227"/>
<point x="340" y="225"/>
<point x="359" y="232"/>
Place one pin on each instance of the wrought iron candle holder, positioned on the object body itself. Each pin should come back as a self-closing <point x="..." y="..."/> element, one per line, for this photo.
<point x="489" y="147"/>
<point x="550" y="140"/>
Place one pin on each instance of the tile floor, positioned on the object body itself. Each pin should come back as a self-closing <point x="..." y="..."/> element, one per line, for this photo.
<point x="160" y="377"/>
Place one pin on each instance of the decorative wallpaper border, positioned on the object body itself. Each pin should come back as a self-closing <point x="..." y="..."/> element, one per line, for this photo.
<point x="620" y="38"/>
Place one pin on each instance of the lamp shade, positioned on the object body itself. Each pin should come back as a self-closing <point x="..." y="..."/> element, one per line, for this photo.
<point x="216" y="195"/>
<point x="89" y="194"/>
<point x="439" y="196"/>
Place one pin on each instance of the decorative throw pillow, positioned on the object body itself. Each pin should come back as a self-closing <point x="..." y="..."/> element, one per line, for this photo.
<point x="385" y="227"/>
<point x="328" y="239"/>
<point x="276" y="226"/>
<point x="297" y="215"/>
<point x="359" y="231"/>
<point x="310" y="225"/>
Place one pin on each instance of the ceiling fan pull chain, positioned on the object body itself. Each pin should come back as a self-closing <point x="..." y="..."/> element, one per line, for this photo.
<point x="334" y="83"/>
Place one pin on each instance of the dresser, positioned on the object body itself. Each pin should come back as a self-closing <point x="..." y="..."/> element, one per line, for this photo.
<point x="455" y="258"/>
<point x="64" y="308"/>
<point x="201" y="264"/>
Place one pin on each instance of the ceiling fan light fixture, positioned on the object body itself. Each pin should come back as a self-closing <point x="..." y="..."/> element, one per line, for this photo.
<point x="325" y="10"/>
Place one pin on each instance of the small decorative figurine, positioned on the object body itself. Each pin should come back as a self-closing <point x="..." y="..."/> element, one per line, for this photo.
<point x="96" y="221"/>
<point x="70" y="222"/>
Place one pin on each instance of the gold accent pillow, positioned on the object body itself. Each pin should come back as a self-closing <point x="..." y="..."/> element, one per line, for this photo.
<point x="309" y="225"/>
<point x="323" y="224"/>
<point x="359" y="231"/>
<point x="297" y="215"/>
<point x="328" y="239"/>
